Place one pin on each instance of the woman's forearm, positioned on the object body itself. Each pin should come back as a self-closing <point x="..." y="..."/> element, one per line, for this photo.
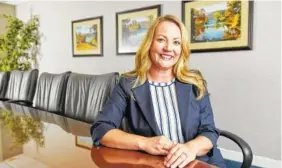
<point x="116" y="138"/>
<point x="201" y="145"/>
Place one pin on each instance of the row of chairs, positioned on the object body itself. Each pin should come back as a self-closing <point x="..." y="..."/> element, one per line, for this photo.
<point x="79" y="96"/>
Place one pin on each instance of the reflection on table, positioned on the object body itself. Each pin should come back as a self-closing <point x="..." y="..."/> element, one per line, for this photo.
<point x="37" y="139"/>
<point x="59" y="133"/>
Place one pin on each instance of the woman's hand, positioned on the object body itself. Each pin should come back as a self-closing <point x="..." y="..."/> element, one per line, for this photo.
<point x="159" y="145"/>
<point x="180" y="155"/>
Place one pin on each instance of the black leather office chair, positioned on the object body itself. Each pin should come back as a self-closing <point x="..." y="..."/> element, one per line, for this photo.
<point x="51" y="90"/>
<point x="4" y="79"/>
<point x="87" y="94"/>
<point x="244" y="146"/>
<point x="21" y="87"/>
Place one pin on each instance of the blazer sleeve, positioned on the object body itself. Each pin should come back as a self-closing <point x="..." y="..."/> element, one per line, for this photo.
<point x="207" y="126"/>
<point x="111" y="115"/>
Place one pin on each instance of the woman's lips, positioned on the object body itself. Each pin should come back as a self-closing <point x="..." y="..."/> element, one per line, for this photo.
<point x="166" y="57"/>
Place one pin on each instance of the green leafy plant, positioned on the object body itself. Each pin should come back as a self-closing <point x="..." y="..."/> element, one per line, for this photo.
<point x="19" y="44"/>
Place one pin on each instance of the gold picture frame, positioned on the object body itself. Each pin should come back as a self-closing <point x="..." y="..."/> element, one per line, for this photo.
<point x="83" y="142"/>
<point x="218" y="25"/>
<point x="87" y="37"/>
<point x="131" y="26"/>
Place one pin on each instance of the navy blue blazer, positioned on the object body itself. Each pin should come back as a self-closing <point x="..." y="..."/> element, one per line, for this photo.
<point x="136" y="105"/>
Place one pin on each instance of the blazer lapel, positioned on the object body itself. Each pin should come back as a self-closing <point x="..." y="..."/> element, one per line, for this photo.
<point x="183" y="92"/>
<point x="143" y="97"/>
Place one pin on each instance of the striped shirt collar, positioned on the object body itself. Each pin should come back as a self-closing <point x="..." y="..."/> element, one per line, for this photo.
<point x="162" y="83"/>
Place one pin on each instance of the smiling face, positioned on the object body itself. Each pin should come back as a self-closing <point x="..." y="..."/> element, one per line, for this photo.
<point x="166" y="46"/>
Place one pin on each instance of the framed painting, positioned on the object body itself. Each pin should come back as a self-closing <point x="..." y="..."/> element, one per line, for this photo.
<point x="83" y="142"/>
<point x="131" y="27"/>
<point x="87" y="37"/>
<point x="218" y="25"/>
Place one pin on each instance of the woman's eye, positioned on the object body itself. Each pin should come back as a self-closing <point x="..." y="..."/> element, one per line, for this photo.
<point x="160" y="40"/>
<point x="176" y="43"/>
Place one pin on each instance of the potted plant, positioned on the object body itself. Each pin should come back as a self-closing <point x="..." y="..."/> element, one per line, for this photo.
<point x="19" y="44"/>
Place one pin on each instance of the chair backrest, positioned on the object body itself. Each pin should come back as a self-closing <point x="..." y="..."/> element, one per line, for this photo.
<point x="50" y="94"/>
<point x="4" y="79"/>
<point x="86" y="94"/>
<point x="22" y="85"/>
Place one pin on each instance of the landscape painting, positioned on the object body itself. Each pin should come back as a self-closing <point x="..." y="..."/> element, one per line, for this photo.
<point x="132" y="26"/>
<point x="133" y="30"/>
<point x="87" y="37"/>
<point x="218" y="24"/>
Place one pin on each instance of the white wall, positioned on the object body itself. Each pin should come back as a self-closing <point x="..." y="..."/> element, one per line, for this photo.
<point x="7" y="10"/>
<point x="245" y="85"/>
<point x="55" y="20"/>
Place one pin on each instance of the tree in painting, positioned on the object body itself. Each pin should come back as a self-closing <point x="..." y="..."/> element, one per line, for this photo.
<point x="216" y="22"/>
<point x="133" y="30"/>
<point x="86" y="37"/>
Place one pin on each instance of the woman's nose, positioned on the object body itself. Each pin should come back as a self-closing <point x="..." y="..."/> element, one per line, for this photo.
<point x="168" y="47"/>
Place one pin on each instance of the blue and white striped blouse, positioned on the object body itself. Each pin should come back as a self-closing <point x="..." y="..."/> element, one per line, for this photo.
<point x="166" y="110"/>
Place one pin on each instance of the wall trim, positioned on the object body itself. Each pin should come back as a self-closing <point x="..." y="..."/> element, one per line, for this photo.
<point x="257" y="160"/>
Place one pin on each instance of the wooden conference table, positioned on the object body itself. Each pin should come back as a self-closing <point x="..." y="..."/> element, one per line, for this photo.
<point x="32" y="138"/>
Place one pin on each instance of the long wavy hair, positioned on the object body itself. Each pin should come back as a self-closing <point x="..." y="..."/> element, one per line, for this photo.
<point x="180" y="69"/>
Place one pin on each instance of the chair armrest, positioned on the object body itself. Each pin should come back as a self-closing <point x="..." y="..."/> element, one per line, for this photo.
<point x="21" y="102"/>
<point x="246" y="149"/>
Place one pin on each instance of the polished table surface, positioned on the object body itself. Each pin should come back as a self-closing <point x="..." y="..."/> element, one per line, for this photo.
<point x="32" y="138"/>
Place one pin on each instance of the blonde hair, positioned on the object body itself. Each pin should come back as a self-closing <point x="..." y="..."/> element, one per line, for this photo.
<point x="180" y="69"/>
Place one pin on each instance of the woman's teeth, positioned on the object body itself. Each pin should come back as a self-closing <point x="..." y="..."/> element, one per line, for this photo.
<point x="166" y="57"/>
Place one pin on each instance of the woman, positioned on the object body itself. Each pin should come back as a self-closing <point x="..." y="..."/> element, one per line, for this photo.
<point x="166" y="104"/>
